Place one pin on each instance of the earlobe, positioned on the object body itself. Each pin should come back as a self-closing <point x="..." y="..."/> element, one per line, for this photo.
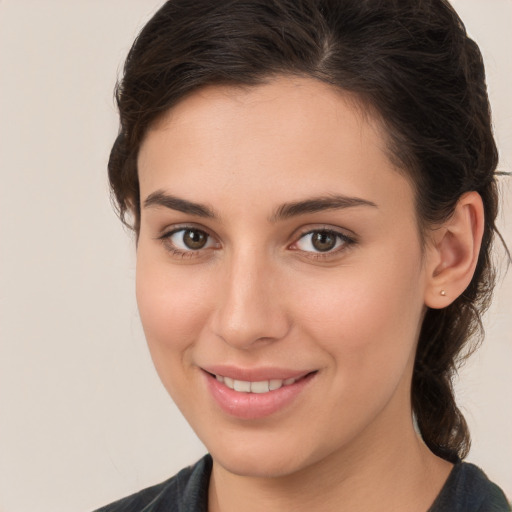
<point x="453" y="252"/>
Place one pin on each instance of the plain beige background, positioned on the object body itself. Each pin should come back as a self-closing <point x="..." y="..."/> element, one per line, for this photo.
<point x="83" y="417"/>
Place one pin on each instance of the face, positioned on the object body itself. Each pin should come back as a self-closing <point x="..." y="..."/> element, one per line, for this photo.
<point x="280" y="277"/>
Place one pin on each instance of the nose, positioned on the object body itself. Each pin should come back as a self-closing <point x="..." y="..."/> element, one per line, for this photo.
<point x="249" y="311"/>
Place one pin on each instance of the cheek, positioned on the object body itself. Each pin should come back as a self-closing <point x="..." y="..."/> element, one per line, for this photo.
<point x="367" y="318"/>
<point x="171" y="309"/>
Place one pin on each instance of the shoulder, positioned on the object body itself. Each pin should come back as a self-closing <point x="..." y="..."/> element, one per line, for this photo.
<point x="187" y="490"/>
<point x="469" y="490"/>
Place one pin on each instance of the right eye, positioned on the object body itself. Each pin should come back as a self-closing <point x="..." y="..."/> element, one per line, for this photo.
<point x="186" y="240"/>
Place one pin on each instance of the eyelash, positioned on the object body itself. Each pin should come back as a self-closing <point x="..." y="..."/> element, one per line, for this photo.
<point x="346" y="242"/>
<point x="174" y="251"/>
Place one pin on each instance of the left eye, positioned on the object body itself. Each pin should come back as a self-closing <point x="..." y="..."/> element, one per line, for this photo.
<point x="320" y="241"/>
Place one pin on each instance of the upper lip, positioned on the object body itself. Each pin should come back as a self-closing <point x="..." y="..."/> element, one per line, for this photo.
<point x="256" y="374"/>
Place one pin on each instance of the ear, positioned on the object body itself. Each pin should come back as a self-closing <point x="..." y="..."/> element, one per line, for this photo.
<point x="452" y="252"/>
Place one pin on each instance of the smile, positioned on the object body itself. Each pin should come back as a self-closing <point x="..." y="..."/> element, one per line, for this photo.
<point x="263" y="386"/>
<point x="261" y="396"/>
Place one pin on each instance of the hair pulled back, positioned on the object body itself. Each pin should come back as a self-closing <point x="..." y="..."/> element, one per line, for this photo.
<point x="410" y="62"/>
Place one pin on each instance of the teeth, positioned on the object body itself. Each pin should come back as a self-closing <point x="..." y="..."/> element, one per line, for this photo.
<point x="274" y="384"/>
<point x="242" y="385"/>
<point x="263" y="386"/>
<point x="260" y="387"/>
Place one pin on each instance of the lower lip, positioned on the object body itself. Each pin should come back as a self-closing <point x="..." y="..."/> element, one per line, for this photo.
<point x="251" y="406"/>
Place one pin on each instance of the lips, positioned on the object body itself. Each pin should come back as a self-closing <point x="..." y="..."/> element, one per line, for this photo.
<point x="258" y="393"/>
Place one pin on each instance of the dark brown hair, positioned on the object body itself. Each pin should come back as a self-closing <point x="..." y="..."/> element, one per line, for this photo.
<point x="409" y="61"/>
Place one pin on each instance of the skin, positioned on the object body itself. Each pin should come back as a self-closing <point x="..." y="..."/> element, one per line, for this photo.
<point x="260" y="294"/>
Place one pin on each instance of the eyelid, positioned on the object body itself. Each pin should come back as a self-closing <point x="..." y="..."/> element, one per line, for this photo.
<point x="348" y="240"/>
<point x="345" y="233"/>
<point x="174" y="228"/>
<point x="169" y="231"/>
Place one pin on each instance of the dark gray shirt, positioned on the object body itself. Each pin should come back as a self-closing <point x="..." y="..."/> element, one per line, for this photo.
<point x="466" y="490"/>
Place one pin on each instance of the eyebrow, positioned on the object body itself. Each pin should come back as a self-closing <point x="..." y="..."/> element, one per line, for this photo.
<point x="318" y="204"/>
<point x="160" y="198"/>
<point x="283" y="212"/>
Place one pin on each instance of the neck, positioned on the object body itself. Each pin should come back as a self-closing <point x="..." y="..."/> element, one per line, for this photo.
<point x="400" y="474"/>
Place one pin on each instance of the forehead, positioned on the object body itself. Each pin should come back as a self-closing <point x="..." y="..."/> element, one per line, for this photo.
<point x="278" y="103"/>
<point x="294" y="136"/>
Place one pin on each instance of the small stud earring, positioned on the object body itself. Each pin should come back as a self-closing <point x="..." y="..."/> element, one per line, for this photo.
<point x="443" y="293"/>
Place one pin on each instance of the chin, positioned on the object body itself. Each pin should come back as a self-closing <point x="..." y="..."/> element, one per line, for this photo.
<point x="258" y="465"/>
<point x="270" y="456"/>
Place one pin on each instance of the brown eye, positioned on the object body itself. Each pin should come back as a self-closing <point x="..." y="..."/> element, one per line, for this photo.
<point x="194" y="239"/>
<point x="188" y="240"/>
<point x="323" y="241"/>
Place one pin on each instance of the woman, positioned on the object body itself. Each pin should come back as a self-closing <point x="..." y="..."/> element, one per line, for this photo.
<point x="312" y="186"/>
